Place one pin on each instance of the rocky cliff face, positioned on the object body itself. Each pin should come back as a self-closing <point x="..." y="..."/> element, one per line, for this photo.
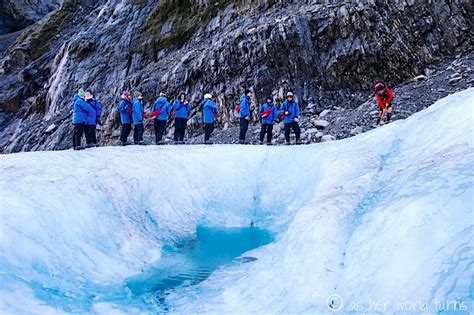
<point x="16" y="15"/>
<point x="329" y="54"/>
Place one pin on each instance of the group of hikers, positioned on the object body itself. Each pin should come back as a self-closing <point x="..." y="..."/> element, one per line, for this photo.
<point x="87" y="111"/>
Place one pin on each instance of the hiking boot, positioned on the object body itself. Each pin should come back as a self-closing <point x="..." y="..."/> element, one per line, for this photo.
<point x="208" y="142"/>
<point x="287" y="143"/>
<point x="89" y="145"/>
<point x="298" y="142"/>
<point x="269" y="143"/>
<point x="181" y="142"/>
<point x="122" y="143"/>
<point x="261" y="141"/>
<point x="79" y="148"/>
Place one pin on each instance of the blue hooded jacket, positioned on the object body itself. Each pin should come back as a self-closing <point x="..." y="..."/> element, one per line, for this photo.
<point x="273" y="113"/>
<point x="244" y="106"/>
<point x="125" y="108"/>
<point x="209" y="108"/>
<point x="137" y="113"/>
<point x="80" y="110"/>
<point x="293" y="108"/>
<point x="182" y="109"/>
<point x="92" y="117"/>
<point x="162" y="102"/>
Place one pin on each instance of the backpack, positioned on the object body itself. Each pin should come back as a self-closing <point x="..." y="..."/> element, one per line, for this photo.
<point x="283" y="115"/>
<point x="266" y="113"/>
<point x="156" y="113"/>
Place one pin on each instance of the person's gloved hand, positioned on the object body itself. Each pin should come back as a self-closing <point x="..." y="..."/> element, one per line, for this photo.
<point x="98" y="121"/>
<point x="287" y="113"/>
<point x="295" y="119"/>
<point x="247" y="117"/>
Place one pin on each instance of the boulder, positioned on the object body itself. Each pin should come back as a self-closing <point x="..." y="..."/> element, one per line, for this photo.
<point x="50" y="128"/>
<point x="420" y="78"/>
<point x="324" y="113"/>
<point x="356" y="130"/>
<point x="326" y="138"/>
<point x="456" y="77"/>
<point x="321" y="123"/>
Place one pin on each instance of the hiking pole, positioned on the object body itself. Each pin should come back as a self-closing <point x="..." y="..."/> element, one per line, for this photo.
<point x="382" y="115"/>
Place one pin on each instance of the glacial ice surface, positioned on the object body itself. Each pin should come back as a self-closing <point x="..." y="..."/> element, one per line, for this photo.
<point x="382" y="221"/>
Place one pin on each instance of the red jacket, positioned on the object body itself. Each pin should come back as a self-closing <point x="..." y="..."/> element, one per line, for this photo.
<point x="385" y="99"/>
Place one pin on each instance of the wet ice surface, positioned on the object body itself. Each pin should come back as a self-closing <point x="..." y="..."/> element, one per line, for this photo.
<point x="191" y="261"/>
<point x="384" y="217"/>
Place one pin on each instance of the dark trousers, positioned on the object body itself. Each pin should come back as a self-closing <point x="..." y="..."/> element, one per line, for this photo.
<point x="244" y="126"/>
<point x="208" y="129"/>
<point x="296" y="128"/>
<point x="90" y="134"/>
<point x="126" y="128"/>
<point x="266" y="129"/>
<point x="179" y="128"/>
<point x="138" y="131"/>
<point x="77" y="136"/>
<point x="160" y="126"/>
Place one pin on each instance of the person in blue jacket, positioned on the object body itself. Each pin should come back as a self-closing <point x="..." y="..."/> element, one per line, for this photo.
<point x="125" y="110"/>
<point x="291" y="111"/>
<point x="80" y="110"/>
<point x="268" y="115"/>
<point x="160" y="112"/>
<point x="245" y="115"/>
<point x="92" y="119"/>
<point x="209" y="111"/>
<point x="182" y="109"/>
<point x="137" y="118"/>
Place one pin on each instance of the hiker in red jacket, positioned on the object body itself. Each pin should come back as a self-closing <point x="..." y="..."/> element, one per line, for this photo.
<point x="384" y="97"/>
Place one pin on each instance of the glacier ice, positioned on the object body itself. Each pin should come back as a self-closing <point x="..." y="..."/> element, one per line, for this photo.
<point x="382" y="220"/>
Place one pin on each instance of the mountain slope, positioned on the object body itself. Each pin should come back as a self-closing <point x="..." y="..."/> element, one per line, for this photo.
<point x="330" y="53"/>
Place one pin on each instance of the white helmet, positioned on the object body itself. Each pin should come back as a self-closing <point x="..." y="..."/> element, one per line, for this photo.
<point x="207" y="96"/>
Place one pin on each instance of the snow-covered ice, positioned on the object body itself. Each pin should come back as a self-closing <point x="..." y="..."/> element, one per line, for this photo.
<point x="382" y="220"/>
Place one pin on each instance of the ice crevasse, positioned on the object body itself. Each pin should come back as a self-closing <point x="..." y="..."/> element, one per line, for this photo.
<point x="377" y="222"/>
